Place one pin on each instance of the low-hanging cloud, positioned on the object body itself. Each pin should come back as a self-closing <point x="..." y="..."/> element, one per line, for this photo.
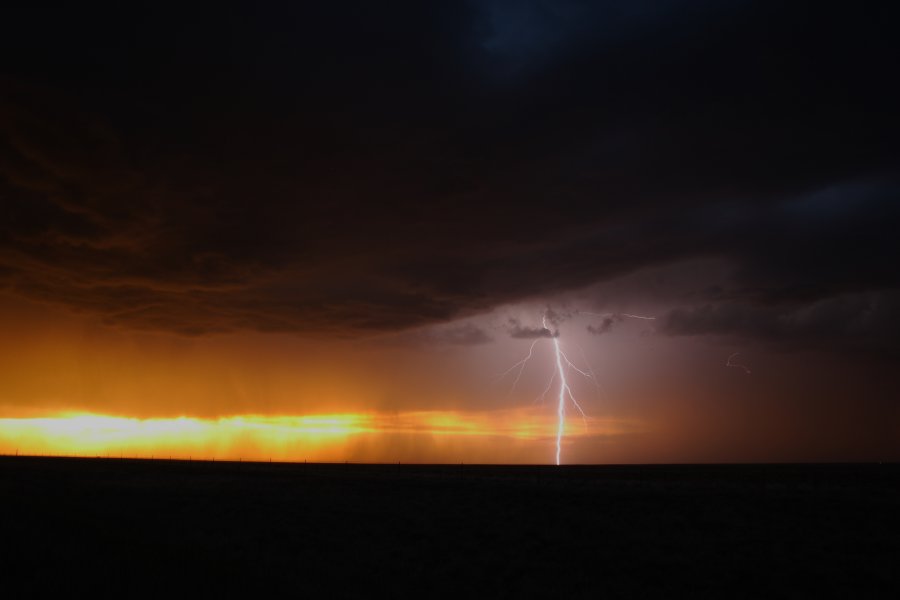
<point x="523" y="332"/>
<point x="605" y="326"/>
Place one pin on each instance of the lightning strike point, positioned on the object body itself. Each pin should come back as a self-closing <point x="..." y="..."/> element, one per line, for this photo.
<point x="730" y="363"/>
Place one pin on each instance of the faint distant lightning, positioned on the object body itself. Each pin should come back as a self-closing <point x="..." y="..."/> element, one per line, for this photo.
<point x="521" y="364"/>
<point x="611" y="314"/>
<point x="546" y="389"/>
<point x="591" y="373"/>
<point x="730" y="363"/>
<point x="639" y="317"/>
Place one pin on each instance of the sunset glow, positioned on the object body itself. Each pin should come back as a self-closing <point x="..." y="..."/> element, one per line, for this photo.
<point x="341" y="234"/>
<point x="335" y="437"/>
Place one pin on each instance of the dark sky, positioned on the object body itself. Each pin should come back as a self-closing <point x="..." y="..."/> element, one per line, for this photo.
<point x="358" y="169"/>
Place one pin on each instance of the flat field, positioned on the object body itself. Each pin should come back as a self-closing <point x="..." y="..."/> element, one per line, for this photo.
<point x="159" y="527"/>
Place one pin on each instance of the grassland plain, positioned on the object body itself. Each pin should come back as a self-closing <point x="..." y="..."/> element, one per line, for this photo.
<point x="162" y="528"/>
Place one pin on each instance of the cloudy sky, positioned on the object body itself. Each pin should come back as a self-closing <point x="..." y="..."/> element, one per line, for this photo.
<point x="366" y="210"/>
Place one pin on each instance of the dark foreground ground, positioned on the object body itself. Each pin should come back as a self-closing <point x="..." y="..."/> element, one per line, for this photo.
<point x="135" y="527"/>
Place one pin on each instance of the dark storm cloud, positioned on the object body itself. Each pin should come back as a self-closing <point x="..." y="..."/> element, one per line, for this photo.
<point x="463" y="335"/>
<point x="373" y="168"/>
<point x="605" y="326"/>
<point x="523" y="332"/>
<point x="862" y="321"/>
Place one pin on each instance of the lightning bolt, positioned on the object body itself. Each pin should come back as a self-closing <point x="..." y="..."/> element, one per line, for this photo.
<point x="546" y="389"/>
<point x="565" y="394"/>
<point x="591" y="373"/>
<point x="521" y="365"/>
<point x="563" y="389"/>
<point x="730" y="363"/>
<point x="609" y="314"/>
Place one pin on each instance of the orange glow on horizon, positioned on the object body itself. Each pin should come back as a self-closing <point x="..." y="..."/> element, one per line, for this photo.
<point x="517" y="435"/>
